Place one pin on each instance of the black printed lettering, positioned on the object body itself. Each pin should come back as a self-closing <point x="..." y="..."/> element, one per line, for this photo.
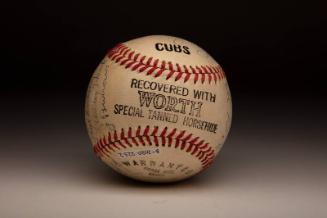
<point x="172" y="47"/>
<point x="168" y="47"/>
<point x="186" y="50"/>
<point x="177" y="48"/>
<point x="159" y="46"/>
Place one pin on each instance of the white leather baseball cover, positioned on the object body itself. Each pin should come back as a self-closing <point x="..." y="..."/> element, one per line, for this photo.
<point x="158" y="109"/>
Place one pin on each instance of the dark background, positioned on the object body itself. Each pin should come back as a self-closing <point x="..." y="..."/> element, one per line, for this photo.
<point x="274" y="161"/>
<point x="264" y="46"/>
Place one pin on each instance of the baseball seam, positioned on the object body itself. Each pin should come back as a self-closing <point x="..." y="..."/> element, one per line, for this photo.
<point x="152" y="136"/>
<point x="151" y="66"/>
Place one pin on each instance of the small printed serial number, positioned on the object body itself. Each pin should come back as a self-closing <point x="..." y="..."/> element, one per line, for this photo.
<point x="139" y="153"/>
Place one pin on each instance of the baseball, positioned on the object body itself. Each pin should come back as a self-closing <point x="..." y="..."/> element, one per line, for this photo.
<point x="158" y="109"/>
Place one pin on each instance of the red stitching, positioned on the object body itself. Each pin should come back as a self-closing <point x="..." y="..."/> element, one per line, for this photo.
<point x="173" y="138"/>
<point x="128" y="58"/>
